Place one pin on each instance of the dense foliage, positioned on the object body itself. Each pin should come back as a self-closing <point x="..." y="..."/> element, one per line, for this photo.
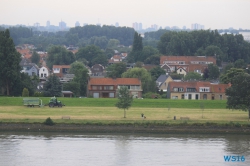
<point x="58" y="55"/>
<point x="239" y="94"/>
<point x="227" y="47"/>
<point x="53" y="87"/>
<point x="9" y="63"/>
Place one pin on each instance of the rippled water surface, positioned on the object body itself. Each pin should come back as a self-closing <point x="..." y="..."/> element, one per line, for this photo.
<point x="34" y="149"/>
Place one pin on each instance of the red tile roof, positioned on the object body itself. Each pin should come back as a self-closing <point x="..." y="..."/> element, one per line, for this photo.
<point x="188" y="59"/>
<point x="117" y="81"/>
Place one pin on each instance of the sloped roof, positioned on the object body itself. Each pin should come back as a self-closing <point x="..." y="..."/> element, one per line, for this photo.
<point x="61" y="66"/>
<point x="117" y="81"/>
<point x="188" y="59"/>
<point x="162" y="78"/>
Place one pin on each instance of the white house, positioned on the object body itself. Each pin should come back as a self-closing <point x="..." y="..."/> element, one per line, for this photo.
<point x="43" y="72"/>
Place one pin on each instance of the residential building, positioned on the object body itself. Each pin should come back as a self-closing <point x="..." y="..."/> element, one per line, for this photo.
<point x="108" y="87"/>
<point x="162" y="82"/>
<point x="44" y="72"/>
<point x="30" y="68"/>
<point x="60" y="70"/>
<point x="185" y="64"/>
<point x="115" y="59"/>
<point x="97" y="70"/>
<point x="196" y="91"/>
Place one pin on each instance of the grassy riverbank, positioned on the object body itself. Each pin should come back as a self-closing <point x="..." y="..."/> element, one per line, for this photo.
<point x="112" y="115"/>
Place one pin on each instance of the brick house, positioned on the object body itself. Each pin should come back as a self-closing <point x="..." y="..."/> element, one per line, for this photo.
<point x="196" y="91"/>
<point x="108" y="87"/>
<point x="186" y="63"/>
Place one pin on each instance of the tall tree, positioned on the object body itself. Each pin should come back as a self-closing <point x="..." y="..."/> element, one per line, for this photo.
<point x="58" y="55"/>
<point x="213" y="72"/>
<point x="81" y="76"/>
<point x="89" y="53"/>
<point x="35" y="58"/>
<point x="9" y="64"/>
<point x="124" y="99"/>
<point x="53" y="87"/>
<point x="156" y="72"/>
<point x="239" y="94"/>
<point x="116" y="70"/>
<point x="136" y="53"/>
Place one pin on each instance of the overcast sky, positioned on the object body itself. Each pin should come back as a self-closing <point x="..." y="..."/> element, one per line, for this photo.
<point x="213" y="14"/>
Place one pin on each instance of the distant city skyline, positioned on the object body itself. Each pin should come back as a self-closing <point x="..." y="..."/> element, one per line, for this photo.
<point x="213" y="14"/>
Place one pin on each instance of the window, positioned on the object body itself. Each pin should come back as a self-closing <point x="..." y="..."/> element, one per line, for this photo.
<point x="111" y="94"/>
<point x="191" y="90"/>
<point x="45" y="75"/>
<point x="41" y="75"/>
<point x="108" y="87"/>
<point x="182" y="96"/>
<point x="220" y="97"/>
<point x="178" y="90"/>
<point x="94" y="87"/>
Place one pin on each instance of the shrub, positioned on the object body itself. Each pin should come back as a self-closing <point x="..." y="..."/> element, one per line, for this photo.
<point x="38" y="94"/>
<point x="49" y="122"/>
<point x="25" y="92"/>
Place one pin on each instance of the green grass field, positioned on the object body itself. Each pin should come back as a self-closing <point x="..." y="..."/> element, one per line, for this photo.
<point x="106" y="102"/>
<point x="103" y="111"/>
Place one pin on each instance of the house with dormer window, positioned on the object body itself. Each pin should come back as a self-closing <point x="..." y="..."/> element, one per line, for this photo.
<point x="196" y="91"/>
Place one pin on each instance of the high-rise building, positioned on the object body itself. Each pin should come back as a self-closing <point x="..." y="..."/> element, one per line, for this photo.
<point x="137" y="26"/>
<point x="196" y="26"/>
<point x="62" y="25"/>
<point x="77" y="24"/>
<point x="140" y="26"/>
<point x="37" y="24"/>
<point x="47" y="23"/>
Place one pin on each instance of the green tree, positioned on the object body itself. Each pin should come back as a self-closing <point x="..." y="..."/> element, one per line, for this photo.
<point x="53" y="87"/>
<point x="136" y="53"/>
<point x="240" y="63"/>
<point x="100" y="59"/>
<point x="10" y="59"/>
<point x="148" y="84"/>
<point x="116" y="70"/>
<point x="81" y="76"/>
<point x="205" y="74"/>
<point x="147" y="51"/>
<point x="25" y="92"/>
<point x="73" y="87"/>
<point x="156" y="72"/>
<point x="213" y="72"/>
<point x="239" y="94"/>
<point x="124" y="99"/>
<point x="113" y="43"/>
<point x="193" y="76"/>
<point x="89" y="53"/>
<point x="58" y="55"/>
<point x="230" y="74"/>
<point x="35" y="58"/>
<point x="154" y="60"/>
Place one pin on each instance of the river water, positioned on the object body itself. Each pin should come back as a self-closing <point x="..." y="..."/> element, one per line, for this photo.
<point x="52" y="149"/>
